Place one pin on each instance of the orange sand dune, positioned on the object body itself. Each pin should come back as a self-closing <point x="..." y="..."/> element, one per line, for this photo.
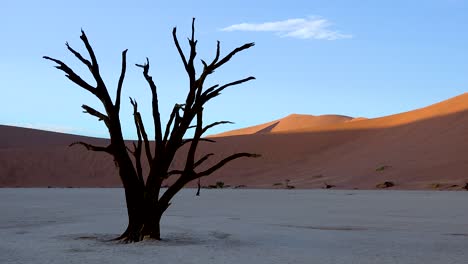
<point x="451" y="106"/>
<point x="421" y="149"/>
<point x="289" y="123"/>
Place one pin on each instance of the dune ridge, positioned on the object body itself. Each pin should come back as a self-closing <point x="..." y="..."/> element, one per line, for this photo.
<point x="292" y="122"/>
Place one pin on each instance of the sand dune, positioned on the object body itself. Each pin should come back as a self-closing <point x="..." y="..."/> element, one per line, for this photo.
<point x="289" y="123"/>
<point x="421" y="149"/>
<point x="451" y="106"/>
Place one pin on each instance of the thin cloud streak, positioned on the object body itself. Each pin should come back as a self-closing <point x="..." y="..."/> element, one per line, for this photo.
<point x="301" y="28"/>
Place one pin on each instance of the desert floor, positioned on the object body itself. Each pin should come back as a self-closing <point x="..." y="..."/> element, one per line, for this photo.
<point x="239" y="226"/>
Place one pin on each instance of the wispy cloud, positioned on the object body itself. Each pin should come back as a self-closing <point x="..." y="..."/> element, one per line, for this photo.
<point x="302" y="28"/>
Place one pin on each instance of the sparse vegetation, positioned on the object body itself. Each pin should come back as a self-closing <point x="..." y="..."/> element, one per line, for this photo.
<point x="220" y="184"/>
<point x="217" y="185"/>
<point x="442" y="186"/>
<point x="287" y="186"/>
<point x="385" y="185"/>
<point x="382" y="168"/>
<point x="466" y="186"/>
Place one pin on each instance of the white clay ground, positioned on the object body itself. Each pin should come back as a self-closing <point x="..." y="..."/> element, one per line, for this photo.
<point x="239" y="226"/>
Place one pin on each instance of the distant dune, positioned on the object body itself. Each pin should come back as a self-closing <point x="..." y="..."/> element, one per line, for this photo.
<point x="289" y="123"/>
<point x="422" y="149"/>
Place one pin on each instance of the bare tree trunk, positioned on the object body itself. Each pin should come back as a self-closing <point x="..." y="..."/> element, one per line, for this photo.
<point x="143" y="219"/>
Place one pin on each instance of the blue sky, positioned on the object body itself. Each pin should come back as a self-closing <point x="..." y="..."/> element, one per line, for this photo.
<point x="356" y="58"/>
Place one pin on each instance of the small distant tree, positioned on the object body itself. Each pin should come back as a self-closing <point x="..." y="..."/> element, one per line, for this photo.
<point x="198" y="187"/>
<point x="145" y="204"/>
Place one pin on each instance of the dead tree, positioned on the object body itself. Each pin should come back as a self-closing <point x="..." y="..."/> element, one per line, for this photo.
<point x="145" y="204"/>
<point x="198" y="187"/>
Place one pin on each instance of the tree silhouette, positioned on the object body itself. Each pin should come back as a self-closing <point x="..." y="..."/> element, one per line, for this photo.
<point x="145" y="202"/>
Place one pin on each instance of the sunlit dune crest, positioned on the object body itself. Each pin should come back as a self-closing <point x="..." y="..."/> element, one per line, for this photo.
<point x="308" y="123"/>
<point x="289" y="123"/>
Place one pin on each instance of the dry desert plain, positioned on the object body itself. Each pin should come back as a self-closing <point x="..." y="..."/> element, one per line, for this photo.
<point x="62" y="225"/>
<point x="424" y="150"/>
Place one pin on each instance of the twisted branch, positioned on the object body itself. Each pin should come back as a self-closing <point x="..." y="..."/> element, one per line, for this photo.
<point x="70" y="74"/>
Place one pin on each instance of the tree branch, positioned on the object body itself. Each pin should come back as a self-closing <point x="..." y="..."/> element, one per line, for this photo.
<point x="134" y="148"/>
<point x="121" y="79"/>
<point x="209" y="69"/>
<point x="103" y="94"/>
<point x="137" y="155"/>
<point x="179" y="49"/>
<point x="218" y="52"/>
<point x="70" y="74"/>
<point x="195" y="100"/>
<point x="195" y="165"/>
<point x="209" y="90"/>
<point x="95" y="65"/>
<point x="80" y="57"/>
<point x="193" y="54"/>
<point x="203" y="159"/>
<point x="223" y="162"/>
<point x="174" y="172"/>
<point x="100" y="91"/>
<point x="92" y="147"/>
<point x="141" y="130"/>
<point x="215" y="124"/>
<point x="185" y="141"/>
<point x="155" y="105"/>
<point x="194" y="83"/>
<point x="94" y="112"/>
<point x="187" y="176"/>
<point x="137" y="147"/>
<point x="218" y="91"/>
<point x="173" y="116"/>
<point x="189" y="164"/>
<point x="232" y="53"/>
